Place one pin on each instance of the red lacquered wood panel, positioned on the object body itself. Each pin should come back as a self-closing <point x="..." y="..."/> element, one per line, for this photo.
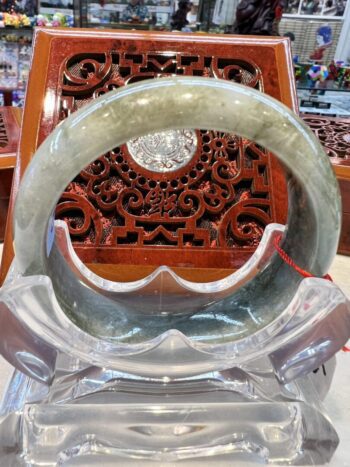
<point x="9" y="138"/>
<point x="334" y="134"/>
<point x="344" y="243"/>
<point x="10" y="118"/>
<point x="232" y="203"/>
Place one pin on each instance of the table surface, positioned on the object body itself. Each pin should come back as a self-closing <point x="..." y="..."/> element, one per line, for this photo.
<point x="340" y="102"/>
<point x="337" y="402"/>
<point x="326" y="86"/>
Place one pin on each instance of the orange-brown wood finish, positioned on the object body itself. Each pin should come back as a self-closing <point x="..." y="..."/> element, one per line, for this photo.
<point x="9" y="137"/>
<point x="334" y="134"/>
<point x="344" y="243"/>
<point x="71" y="67"/>
<point x="10" y="119"/>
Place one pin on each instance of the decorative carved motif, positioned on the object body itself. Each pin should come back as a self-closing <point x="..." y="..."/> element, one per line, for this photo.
<point x="334" y="134"/>
<point x="4" y="140"/>
<point x="201" y="189"/>
<point x="74" y="67"/>
<point x="164" y="152"/>
<point x="9" y="137"/>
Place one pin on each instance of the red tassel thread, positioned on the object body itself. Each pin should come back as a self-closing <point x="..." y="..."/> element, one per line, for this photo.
<point x="287" y="259"/>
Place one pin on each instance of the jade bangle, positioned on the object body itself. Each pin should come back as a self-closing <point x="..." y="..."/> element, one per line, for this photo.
<point x="174" y="103"/>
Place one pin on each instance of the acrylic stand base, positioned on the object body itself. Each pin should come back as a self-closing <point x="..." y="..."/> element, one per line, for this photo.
<point x="80" y="400"/>
<point x="98" y="417"/>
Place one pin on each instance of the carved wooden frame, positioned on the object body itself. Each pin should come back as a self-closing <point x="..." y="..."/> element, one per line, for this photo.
<point x="334" y="134"/>
<point x="9" y="137"/>
<point x="47" y="102"/>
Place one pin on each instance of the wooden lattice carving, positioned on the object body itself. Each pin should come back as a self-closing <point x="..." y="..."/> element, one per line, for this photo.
<point x="4" y="139"/>
<point x="334" y="135"/>
<point x="209" y="212"/>
<point x="9" y="136"/>
<point x="219" y="199"/>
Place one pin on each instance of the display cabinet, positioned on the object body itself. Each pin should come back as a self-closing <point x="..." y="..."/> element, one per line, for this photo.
<point x="324" y="8"/>
<point x="317" y="25"/>
<point x="94" y="14"/>
<point x="15" y="56"/>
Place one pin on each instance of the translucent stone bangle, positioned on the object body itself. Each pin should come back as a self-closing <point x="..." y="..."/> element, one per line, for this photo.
<point x="159" y="105"/>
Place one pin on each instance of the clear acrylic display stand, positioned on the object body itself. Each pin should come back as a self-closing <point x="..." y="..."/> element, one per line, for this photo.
<point x="164" y="370"/>
<point x="266" y="407"/>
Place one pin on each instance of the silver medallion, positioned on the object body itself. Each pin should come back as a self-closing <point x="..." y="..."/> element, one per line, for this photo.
<point x="165" y="151"/>
<point x="346" y="138"/>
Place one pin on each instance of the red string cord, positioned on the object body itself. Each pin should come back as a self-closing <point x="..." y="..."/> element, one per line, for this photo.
<point x="287" y="259"/>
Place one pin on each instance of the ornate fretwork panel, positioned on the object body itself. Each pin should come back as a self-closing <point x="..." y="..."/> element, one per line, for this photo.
<point x="197" y="189"/>
<point x="195" y="200"/>
<point x="9" y="137"/>
<point x="90" y="75"/>
<point x="4" y="139"/>
<point x="334" y="135"/>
